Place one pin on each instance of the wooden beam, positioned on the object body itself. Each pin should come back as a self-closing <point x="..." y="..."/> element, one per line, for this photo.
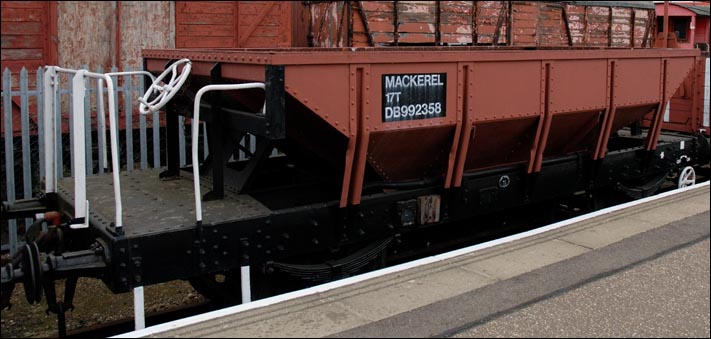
<point x="564" y="14"/>
<point x="499" y="23"/>
<point x="267" y="8"/>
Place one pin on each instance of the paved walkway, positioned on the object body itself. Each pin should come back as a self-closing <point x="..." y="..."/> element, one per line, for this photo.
<point x="667" y="296"/>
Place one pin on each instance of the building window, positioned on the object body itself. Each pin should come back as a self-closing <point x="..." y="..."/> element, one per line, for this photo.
<point x="681" y="25"/>
<point x="678" y="25"/>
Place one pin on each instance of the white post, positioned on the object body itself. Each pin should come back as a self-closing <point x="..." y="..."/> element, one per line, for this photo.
<point x="139" y="316"/>
<point x="196" y="134"/>
<point x="101" y="121"/>
<point x="80" y="203"/>
<point x="50" y="167"/>
<point x="245" y="284"/>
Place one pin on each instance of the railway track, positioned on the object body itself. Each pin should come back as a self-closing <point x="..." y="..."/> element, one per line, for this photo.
<point x="126" y="325"/>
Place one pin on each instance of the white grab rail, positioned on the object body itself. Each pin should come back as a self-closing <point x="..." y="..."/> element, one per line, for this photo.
<point x="100" y="106"/>
<point x="195" y="134"/>
<point x="51" y="84"/>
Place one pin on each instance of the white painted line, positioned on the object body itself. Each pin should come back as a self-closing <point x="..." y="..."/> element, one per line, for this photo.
<point x="389" y="270"/>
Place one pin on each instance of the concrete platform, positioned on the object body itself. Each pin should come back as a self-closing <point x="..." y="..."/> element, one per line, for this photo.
<point x="641" y="269"/>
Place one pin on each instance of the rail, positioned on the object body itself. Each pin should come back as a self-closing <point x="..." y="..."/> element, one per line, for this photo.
<point x="100" y="105"/>
<point x="195" y="131"/>
<point x="81" y="206"/>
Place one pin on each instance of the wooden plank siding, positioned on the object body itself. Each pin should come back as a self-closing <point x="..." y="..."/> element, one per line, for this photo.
<point x="205" y="24"/>
<point x="484" y="23"/>
<point x="29" y="33"/>
<point x="28" y="37"/>
<point x="455" y="22"/>
<point x="230" y="24"/>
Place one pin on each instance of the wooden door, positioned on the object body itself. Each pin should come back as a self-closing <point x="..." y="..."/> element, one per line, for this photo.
<point x="29" y="34"/>
<point x="230" y="24"/>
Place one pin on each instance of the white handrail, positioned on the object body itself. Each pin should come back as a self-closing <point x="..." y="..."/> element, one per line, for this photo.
<point x="51" y="86"/>
<point x="149" y="74"/>
<point x="113" y="131"/>
<point x="195" y="134"/>
<point x="100" y="106"/>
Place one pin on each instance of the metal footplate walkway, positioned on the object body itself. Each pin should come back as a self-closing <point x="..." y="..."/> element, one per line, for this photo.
<point x="456" y="293"/>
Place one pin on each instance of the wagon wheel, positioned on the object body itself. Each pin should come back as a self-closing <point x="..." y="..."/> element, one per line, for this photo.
<point x="163" y="93"/>
<point x="687" y="177"/>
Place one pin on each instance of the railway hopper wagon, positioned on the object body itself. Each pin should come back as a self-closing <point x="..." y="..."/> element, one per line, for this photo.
<point x="358" y="150"/>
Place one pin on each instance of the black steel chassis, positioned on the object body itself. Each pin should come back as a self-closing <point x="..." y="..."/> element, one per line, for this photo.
<point x="320" y="228"/>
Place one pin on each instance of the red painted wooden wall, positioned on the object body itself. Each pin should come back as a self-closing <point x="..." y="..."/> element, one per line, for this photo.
<point x="29" y="34"/>
<point x="229" y="24"/>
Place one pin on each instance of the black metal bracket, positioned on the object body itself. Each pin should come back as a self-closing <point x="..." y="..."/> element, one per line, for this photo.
<point x="216" y="138"/>
<point x="272" y="124"/>
<point x="60" y="307"/>
<point x="265" y="127"/>
<point x="242" y="179"/>
<point x="645" y="190"/>
<point x="25" y="208"/>
<point x="172" y="145"/>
